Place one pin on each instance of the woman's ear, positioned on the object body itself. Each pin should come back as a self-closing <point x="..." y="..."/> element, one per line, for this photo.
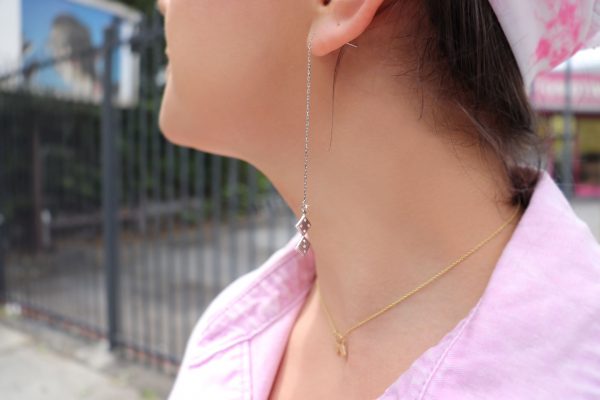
<point x="340" y="21"/>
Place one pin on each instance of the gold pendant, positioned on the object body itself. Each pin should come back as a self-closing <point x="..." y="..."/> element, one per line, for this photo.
<point x="341" y="345"/>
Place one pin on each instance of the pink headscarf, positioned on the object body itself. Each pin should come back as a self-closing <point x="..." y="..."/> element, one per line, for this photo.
<point x="544" y="33"/>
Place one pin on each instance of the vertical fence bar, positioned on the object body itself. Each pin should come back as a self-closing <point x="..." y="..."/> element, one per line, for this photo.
<point x="118" y="130"/>
<point x="251" y="210"/>
<point x="89" y="132"/>
<point x="110" y="191"/>
<point x="130" y="249"/>
<point x="3" y="285"/>
<point x="216" y="190"/>
<point x="4" y="142"/>
<point x="200" y="262"/>
<point x="170" y="265"/>
<point x="232" y="205"/>
<point x="567" y="163"/>
<point x="171" y="281"/>
<point x="186" y="240"/>
<point x="158" y="199"/>
<point x="146" y="335"/>
<point x="36" y="190"/>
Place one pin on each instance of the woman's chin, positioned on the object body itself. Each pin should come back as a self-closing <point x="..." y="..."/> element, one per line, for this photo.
<point x="195" y="127"/>
<point x="176" y="130"/>
<point x="171" y="125"/>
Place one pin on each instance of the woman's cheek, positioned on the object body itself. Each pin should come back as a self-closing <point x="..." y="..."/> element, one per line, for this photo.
<point x="226" y="71"/>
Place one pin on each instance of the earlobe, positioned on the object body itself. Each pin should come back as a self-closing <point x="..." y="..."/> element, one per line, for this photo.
<point x="339" y="22"/>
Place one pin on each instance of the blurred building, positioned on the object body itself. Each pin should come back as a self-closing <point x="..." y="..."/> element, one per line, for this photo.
<point x="568" y="102"/>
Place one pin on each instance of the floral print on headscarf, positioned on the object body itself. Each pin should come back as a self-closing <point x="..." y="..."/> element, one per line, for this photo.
<point x="544" y="33"/>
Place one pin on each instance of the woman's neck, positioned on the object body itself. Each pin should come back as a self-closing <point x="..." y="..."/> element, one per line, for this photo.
<point x="393" y="201"/>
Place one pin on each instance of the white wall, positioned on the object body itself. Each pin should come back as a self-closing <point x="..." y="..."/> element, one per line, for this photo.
<point x="10" y="35"/>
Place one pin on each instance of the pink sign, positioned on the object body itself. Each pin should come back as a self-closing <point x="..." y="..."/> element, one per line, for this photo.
<point x="549" y="92"/>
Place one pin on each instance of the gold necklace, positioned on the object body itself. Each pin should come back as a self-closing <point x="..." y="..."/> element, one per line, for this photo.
<point x="340" y="339"/>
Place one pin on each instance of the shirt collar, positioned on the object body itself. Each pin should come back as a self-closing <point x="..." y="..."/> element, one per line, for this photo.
<point x="274" y="289"/>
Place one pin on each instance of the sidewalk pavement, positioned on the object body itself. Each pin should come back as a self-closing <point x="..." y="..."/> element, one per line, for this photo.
<point x="32" y="369"/>
<point x="589" y="212"/>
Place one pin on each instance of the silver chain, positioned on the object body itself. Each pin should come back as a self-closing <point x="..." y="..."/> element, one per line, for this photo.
<point x="304" y="208"/>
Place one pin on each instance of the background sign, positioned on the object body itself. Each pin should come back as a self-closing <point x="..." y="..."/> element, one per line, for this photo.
<point x="37" y="31"/>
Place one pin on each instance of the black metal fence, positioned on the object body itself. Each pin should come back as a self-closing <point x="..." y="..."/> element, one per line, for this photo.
<point x="106" y="228"/>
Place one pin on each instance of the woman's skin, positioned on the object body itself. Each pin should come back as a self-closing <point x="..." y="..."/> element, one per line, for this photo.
<point x="394" y="198"/>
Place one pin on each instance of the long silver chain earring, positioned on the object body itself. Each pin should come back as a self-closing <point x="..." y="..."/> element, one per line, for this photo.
<point x="303" y="223"/>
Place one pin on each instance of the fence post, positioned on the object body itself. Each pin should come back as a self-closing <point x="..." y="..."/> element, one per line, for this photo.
<point x="3" y="286"/>
<point x="3" y="283"/>
<point x="110" y="195"/>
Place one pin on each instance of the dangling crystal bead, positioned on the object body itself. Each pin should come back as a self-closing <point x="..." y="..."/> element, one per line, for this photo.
<point x="303" y="245"/>
<point x="303" y="225"/>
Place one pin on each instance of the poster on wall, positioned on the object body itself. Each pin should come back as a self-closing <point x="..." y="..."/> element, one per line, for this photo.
<point x="53" y="47"/>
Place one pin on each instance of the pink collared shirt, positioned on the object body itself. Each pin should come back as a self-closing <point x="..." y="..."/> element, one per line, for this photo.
<point x="533" y="335"/>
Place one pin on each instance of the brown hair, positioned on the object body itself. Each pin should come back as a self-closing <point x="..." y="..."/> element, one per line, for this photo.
<point x="465" y="57"/>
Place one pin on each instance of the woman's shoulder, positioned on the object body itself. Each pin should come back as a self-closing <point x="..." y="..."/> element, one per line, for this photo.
<point x="252" y="299"/>
<point x="245" y="307"/>
<point x="536" y="333"/>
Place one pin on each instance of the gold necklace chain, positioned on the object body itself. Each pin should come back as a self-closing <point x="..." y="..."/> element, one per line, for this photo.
<point x="340" y="338"/>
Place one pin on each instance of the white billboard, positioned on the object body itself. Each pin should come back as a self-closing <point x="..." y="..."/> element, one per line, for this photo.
<point x="40" y="31"/>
